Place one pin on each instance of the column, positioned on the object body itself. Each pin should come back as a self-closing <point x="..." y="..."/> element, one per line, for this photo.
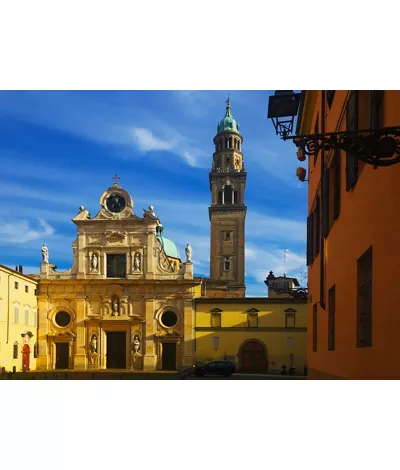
<point x="149" y="359"/>
<point x="80" y="361"/>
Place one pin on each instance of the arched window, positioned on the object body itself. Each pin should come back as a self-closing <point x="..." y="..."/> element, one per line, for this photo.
<point x="228" y="196"/>
<point x="16" y="314"/>
<point x="235" y="197"/>
<point x="220" y="197"/>
<point x="226" y="143"/>
<point x="227" y="263"/>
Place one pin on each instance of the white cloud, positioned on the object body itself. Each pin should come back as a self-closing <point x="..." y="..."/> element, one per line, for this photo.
<point x="275" y="228"/>
<point x="147" y="142"/>
<point x="21" y="232"/>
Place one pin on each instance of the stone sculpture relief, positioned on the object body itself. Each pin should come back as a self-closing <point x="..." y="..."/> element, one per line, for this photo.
<point x="45" y="254"/>
<point x="188" y="251"/>
<point x="94" y="262"/>
<point x="137" y="263"/>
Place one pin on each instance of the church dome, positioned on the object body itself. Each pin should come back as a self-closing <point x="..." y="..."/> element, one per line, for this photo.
<point x="169" y="246"/>
<point x="228" y="124"/>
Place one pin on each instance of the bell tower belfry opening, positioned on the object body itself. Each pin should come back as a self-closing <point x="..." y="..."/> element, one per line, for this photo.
<point x="228" y="211"/>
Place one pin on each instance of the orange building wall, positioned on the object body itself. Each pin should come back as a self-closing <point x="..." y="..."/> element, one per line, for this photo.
<point x="369" y="215"/>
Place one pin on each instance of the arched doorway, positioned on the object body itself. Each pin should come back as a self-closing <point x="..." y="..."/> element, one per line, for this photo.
<point x="253" y="357"/>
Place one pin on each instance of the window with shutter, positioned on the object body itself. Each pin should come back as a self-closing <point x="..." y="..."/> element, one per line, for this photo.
<point x="364" y="299"/>
<point x="310" y="233"/>
<point x="315" y="327"/>
<point x="325" y="203"/>
<point x="317" y="225"/>
<point x="337" y="183"/>
<point x="376" y="108"/>
<point x="331" y="319"/>
<point x="35" y="350"/>
<point x="351" y="125"/>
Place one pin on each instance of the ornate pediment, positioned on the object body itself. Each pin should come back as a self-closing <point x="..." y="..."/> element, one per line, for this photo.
<point x="113" y="237"/>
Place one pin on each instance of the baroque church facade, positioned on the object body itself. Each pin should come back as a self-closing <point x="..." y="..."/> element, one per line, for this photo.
<point x="130" y="302"/>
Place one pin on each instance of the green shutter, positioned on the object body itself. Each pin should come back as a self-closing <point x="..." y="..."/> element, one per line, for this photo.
<point x="325" y="203"/>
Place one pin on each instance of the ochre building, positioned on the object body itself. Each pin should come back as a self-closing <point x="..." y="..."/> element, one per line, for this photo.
<point x="353" y="227"/>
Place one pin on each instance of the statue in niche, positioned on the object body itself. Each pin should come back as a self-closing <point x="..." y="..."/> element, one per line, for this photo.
<point x="136" y="263"/>
<point x="115" y="309"/>
<point x="45" y="254"/>
<point x="94" y="262"/>
<point x="188" y="251"/>
<point x="136" y="344"/>
<point x="93" y="344"/>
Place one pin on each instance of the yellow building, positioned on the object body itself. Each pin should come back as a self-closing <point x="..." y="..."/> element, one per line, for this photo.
<point x="18" y="319"/>
<point x="258" y="334"/>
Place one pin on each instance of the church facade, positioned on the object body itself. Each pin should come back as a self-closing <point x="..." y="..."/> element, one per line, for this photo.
<point x="126" y="302"/>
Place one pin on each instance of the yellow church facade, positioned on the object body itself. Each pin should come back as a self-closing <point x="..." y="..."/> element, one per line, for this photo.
<point x="18" y="320"/>
<point x="127" y="300"/>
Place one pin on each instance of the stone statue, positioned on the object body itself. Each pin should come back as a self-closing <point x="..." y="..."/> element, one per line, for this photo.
<point x="115" y="310"/>
<point x="45" y="254"/>
<point x="136" y="344"/>
<point x="151" y="210"/>
<point x="93" y="344"/>
<point x="94" y="262"/>
<point x="136" y="263"/>
<point x="188" y="251"/>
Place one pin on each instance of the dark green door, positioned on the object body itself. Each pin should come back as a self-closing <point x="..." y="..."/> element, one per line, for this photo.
<point x="62" y="355"/>
<point x="169" y="356"/>
<point x="116" y="350"/>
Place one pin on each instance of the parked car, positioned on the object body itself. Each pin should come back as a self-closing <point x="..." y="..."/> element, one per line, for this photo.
<point x="224" y="368"/>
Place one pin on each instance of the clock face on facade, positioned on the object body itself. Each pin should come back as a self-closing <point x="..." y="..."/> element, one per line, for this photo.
<point x="115" y="203"/>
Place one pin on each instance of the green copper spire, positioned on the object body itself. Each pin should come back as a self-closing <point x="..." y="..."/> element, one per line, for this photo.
<point x="228" y="124"/>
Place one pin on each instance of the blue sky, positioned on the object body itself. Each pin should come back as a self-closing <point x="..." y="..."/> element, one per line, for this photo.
<point x="59" y="150"/>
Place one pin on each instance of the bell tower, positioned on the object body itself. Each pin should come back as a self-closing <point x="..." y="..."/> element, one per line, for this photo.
<point x="228" y="211"/>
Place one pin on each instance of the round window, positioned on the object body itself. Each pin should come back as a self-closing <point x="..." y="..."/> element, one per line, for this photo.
<point x="63" y="319"/>
<point x="169" y="319"/>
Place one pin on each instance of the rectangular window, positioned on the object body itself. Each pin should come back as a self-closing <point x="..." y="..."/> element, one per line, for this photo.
<point x="315" y="327"/>
<point x="310" y="240"/>
<point x="316" y="131"/>
<point x="252" y="320"/>
<point x="116" y="265"/>
<point x="27" y="289"/>
<point x="331" y="318"/>
<point x="337" y="182"/>
<point x="227" y="264"/>
<point x="16" y="314"/>
<point x="35" y="291"/>
<point x="16" y="285"/>
<point x="376" y="109"/>
<point x="215" y="320"/>
<point x="27" y="316"/>
<point x="35" y="351"/>
<point x="317" y="226"/>
<point x="290" y="320"/>
<point x="364" y="299"/>
<point x="351" y="125"/>
<point x="325" y="202"/>
<point x="15" y="350"/>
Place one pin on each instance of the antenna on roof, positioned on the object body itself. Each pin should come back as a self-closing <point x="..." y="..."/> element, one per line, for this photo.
<point x="284" y="262"/>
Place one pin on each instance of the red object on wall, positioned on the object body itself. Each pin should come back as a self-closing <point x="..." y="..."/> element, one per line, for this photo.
<point x="26" y="350"/>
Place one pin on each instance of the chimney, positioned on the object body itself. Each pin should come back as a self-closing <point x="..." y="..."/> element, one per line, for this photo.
<point x="20" y="269"/>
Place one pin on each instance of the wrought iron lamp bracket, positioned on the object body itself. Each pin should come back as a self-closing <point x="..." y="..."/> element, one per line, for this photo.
<point x="377" y="147"/>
